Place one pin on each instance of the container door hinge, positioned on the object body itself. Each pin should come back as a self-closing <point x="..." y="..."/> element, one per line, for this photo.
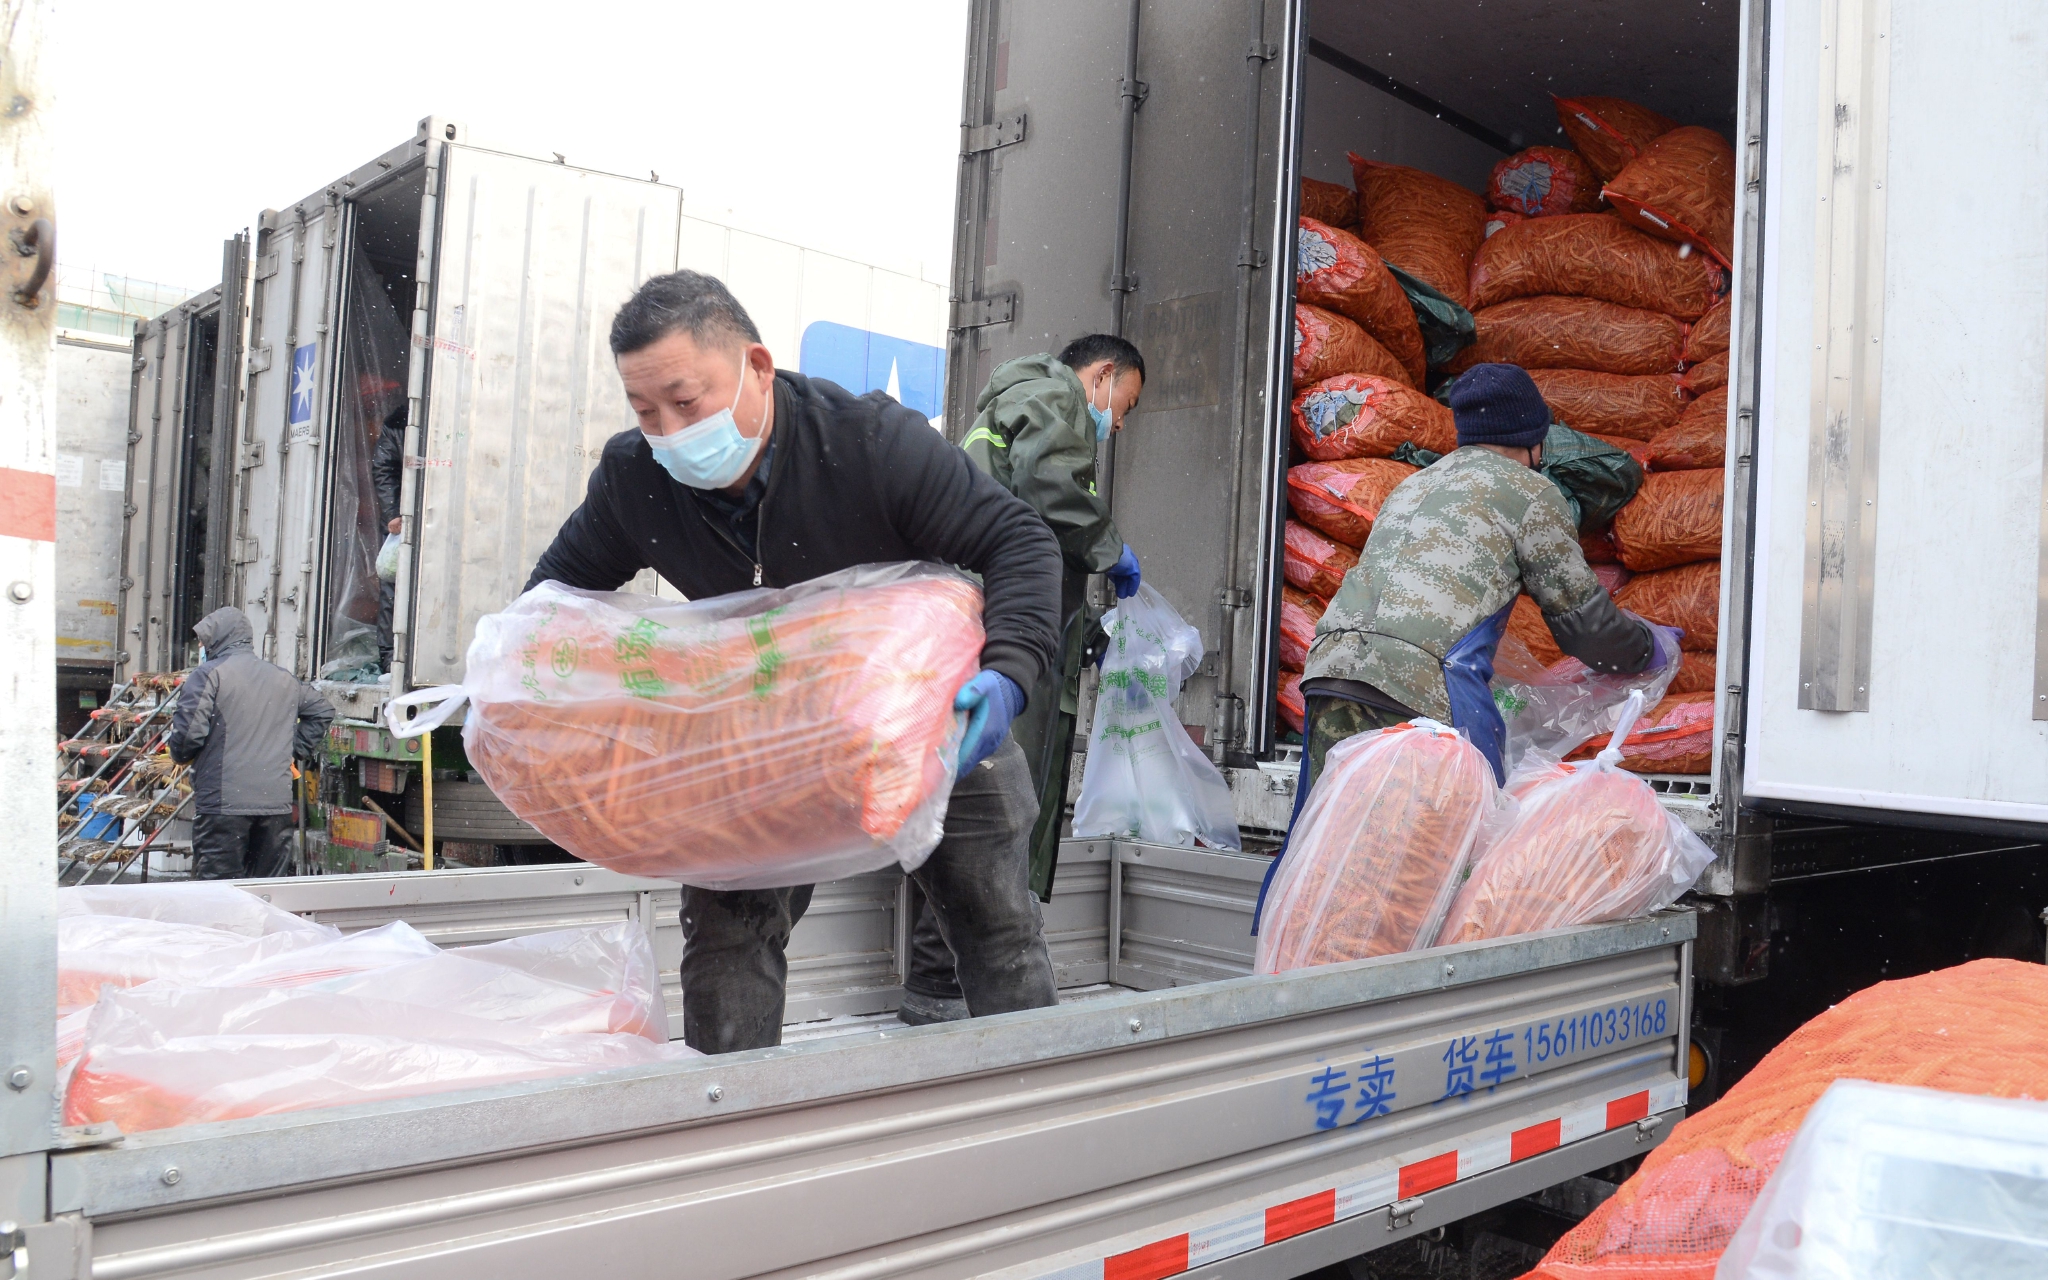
<point x="1125" y="283"/>
<point x="1005" y="132"/>
<point x="1753" y="164"/>
<point x="1263" y="50"/>
<point x="1136" y="90"/>
<point x="978" y="313"/>
<point x="1745" y="428"/>
<point x="1253" y="258"/>
<point x="1234" y="597"/>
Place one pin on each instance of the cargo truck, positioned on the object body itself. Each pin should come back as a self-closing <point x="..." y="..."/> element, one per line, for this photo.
<point x="93" y="373"/>
<point x="1134" y="167"/>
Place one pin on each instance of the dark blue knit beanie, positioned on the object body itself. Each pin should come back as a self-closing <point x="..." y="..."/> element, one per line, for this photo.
<point x="1499" y="404"/>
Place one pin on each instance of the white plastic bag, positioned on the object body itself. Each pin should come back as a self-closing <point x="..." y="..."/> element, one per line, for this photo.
<point x="387" y="557"/>
<point x="1556" y="709"/>
<point x="96" y="951"/>
<point x="1145" y="777"/>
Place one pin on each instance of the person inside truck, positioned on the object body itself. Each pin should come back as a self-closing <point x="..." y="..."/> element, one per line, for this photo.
<point x="1038" y="423"/>
<point x="742" y="475"/>
<point x="387" y="467"/>
<point x="1412" y="630"/>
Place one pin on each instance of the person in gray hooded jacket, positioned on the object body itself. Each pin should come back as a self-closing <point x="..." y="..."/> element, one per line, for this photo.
<point x="242" y="720"/>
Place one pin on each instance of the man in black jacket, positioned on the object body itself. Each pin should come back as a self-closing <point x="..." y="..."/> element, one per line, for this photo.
<point x="387" y="469"/>
<point x="744" y="476"/>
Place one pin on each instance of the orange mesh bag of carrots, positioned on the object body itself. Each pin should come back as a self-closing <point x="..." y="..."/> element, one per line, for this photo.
<point x="1379" y="848"/>
<point x="1525" y="623"/>
<point x="1610" y="132"/>
<point x="1598" y="548"/>
<point x="1710" y="374"/>
<point x="1635" y="406"/>
<point x="1326" y="344"/>
<point x="1293" y="707"/>
<point x="1637" y="449"/>
<point x="1695" y="674"/>
<point x="763" y="738"/>
<point x="1359" y="416"/>
<point x="1675" y="737"/>
<point x="1698" y="441"/>
<point x="1426" y="225"/>
<point x="1299" y="613"/>
<point x="1674" y="519"/>
<point x="1544" y="331"/>
<point x="1709" y="334"/>
<point x="1587" y="844"/>
<point x="1342" y="499"/>
<point x="1331" y="203"/>
<point x="1681" y="188"/>
<point x="1593" y="255"/>
<point x="1314" y="563"/>
<point x="1688" y="597"/>
<point x="1501" y="220"/>
<point x="1970" y="1029"/>
<point x="1542" y="182"/>
<point x="1337" y="271"/>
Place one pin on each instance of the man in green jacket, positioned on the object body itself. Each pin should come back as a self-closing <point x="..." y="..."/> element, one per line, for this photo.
<point x="1037" y="425"/>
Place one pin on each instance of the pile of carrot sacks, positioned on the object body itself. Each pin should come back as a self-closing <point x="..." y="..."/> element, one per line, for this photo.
<point x="1601" y="268"/>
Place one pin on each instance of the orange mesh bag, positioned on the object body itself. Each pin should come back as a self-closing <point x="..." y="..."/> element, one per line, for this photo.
<point x="1426" y="225"/>
<point x="1709" y="335"/>
<point x="763" y="738"/>
<point x="1674" y="519"/>
<point x="1358" y="416"/>
<point x="1587" y="844"/>
<point x="1501" y="220"/>
<point x="1633" y="406"/>
<point x="1695" y="674"/>
<point x="1598" y="548"/>
<point x="1337" y="271"/>
<point x="1326" y="344"/>
<point x="1610" y="132"/>
<point x="1698" y="440"/>
<point x="1688" y="597"/>
<point x="1542" y="182"/>
<point x="1525" y="623"/>
<point x="1342" y="499"/>
<point x="1313" y="563"/>
<point x="1710" y="374"/>
<point x="1676" y="737"/>
<point x="1682" y="189"/>
<point x="1293" y="708"/>
<point x="1379" y="848"/>
<point x="1970" y="1029"/>
<point x="1331" y="203"/>
<point x="1299" y="613"/>
<point x="1593" y="255"/>
<point x="1545" y="331"/>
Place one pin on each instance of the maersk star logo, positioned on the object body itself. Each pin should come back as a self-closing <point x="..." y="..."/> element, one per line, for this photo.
<point x="302" y="386"/>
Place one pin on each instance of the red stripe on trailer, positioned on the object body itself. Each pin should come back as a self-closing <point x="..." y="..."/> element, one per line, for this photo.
<point x="1627" y="1110"/>
<point x="1428" y="1175"/>
<point x="1297" y="1216"/>
<point x="1152" y="1262"/>
<point x="28" y="504"/>
<point x="1535" y="1140"/>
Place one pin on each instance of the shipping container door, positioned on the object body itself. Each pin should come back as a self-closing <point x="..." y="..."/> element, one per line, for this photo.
<point x="1899" y="581"/>
<point x="1035" y="265"/>
<point x="532" y="261"/>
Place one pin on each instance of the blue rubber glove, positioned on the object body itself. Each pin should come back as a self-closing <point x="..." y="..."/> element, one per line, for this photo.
<point x="991" y="701"/>
<point x="1124" y="574"/>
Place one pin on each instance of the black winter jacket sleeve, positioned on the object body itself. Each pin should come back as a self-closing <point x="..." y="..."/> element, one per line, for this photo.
<point x="855" y="480"/>
<point x="387" y="466"/>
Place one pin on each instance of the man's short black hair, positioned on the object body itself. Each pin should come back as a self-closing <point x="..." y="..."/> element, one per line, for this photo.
<point x="1123" y="357"/>
<point x="681" y="302"/>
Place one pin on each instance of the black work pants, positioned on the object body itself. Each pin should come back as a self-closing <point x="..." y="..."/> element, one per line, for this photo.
<point x="228" y="846"/>
<point x="735" y="965"/>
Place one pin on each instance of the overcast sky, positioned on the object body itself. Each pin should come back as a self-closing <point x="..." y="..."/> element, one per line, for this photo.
<point x="833" y="123"/>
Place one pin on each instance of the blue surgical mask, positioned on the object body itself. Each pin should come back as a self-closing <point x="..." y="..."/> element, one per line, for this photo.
<point x="709" y="454"/>
<point x="1100" y="417"/>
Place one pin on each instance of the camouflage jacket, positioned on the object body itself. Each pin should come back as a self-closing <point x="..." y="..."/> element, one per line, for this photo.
<point x="1453" y="545"/>
<point x="1033" y="434"/>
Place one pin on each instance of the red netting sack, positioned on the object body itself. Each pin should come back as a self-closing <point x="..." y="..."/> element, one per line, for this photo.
<point x="1379" y="848"/>
<point x="1598" y="548"/>
<point x="1550" y="332"/>
<point x="1342" y="499"/>
<point x="764" y="738"/>
<point x="1709" y="334"/>
<point x="1688" y="597"/>
<point x="1612" y="576"/>
<point x="1970" y="1029"/>
<point x="1426" y="225"/>
<point x="1326" y="344"/>
<point x="1633" y="406"/>
<point x="1299" y="613"/>
<point x="1709" y="374"/>
<point x="1676" y="737"/>
<point x="1314" y="563"/>
<point x="1610" y="132"/>
<point x="1674" y="519"/>
<point x="1359" y="416"/>
<point x="1541" y="182"/>
<point x="1695" y="674"/>
<point x="1682" y="189"/>
<point x="1293" y="708"/>
<point x="1698" y="441"/>
<point x="1337" y="271"/>
<point x="1593" y="255"/>
<point x="1331" y="203"/>
<point x="1525" y="623"/>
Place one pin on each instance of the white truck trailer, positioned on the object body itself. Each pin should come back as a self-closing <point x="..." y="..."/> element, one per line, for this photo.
<point x="92" y="374"/>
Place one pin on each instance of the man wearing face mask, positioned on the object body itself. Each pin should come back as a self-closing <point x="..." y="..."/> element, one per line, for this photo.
<point x="741" y="475"/>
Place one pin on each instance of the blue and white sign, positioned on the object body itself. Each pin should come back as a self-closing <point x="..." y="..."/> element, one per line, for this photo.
<point x="301" y="414"/>
<point x="860" y="361"/>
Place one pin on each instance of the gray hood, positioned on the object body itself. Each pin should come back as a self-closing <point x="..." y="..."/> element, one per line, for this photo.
<point x="225" y="629"/>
